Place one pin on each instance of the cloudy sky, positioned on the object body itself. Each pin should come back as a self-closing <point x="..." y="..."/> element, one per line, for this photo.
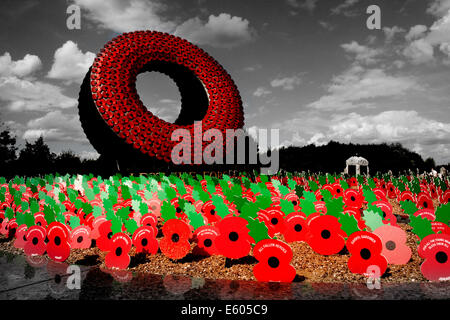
<point x="310" y="68"/>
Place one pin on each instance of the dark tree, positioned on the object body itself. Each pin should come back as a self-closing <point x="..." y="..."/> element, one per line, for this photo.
<point x="36" y="158"/>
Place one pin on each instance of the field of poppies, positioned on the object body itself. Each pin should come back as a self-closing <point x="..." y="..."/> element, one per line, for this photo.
<point x="233" y="217"/>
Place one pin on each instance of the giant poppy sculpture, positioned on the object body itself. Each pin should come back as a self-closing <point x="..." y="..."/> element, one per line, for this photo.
<point x="115" y="119"/>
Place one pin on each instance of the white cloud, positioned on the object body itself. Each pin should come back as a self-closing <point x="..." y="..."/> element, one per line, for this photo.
<point x="416" y="32"/>
<point x="426" y="136"/>
<point x="286" y="83"/>
<point x="326" y="25"/>
<point x="419" y="51"/>
<point x="222" y="31"/>
<point x="55" y="126"/>
<point x="356" y="85"/>
<point x="20" y="68"/>
<point x="363" y="54"/>
<point x="127" y="15"/>
<point x="344" y="8"/>
<point x="70" y="63"/>
<point x="23" y="94"/>
<point x="390" y="33"/>
<point x="439" y="8"/>
<point x="309" y="5"/>
<point x="261" y="92"/>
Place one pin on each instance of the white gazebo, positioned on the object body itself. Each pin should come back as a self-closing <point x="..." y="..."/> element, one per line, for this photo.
<point x="356" y="165"/>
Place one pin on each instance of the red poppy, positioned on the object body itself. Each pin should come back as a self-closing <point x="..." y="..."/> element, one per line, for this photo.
<point x="325" y="235"/>
<point x="35" y="241"/>
<point x="433" y="192"/>
<point x="209" y="212"/>
<point x="406" y="195"/>
<point x="150" y="220"/>
<point x="435" y="249"/>
<point x="104" y="240"/>
<point x="58" y="247"/>
<point x="320" y="206"/>
<point x="353" y="198"/>
<point x="95" y="233"/>
<point x="11" y="227"/>
<point x="175" y="243"/>
<point x="352" y="182"/>
<point x="205" y="237"/>
<point x="337" y="190"/>
<point x="273" y="218"/>
<point x="144" y="239"/>
<point x="424" y="201"/>
<point x="379" y="193"/>
<point x="39" y="219"/>
<point x="80" y="238"/>
<point x="426" y="214"/>
<point x="391" y="190"/>
<point x="233" y="241"/>
<point x="386" y="208"/>
<point x="117" y="256"/>
<point x="4" y="227"/>
<point x="445" y="197"/>
<point x="274" y="258"/>
<point x="21" y="237"/>
<point x="292" y="197"/>
<point x="365" y="249"/>
<point x="440" y="226"/>
<point x="393" y="240"/>
<point x="296" y="228"/>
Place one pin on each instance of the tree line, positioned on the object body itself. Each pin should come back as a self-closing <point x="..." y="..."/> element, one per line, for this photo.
<point x="36" y="158"/>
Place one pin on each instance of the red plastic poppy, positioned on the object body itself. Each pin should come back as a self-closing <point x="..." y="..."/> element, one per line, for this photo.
<point x="337" y="190"/>
<point x="58" y="247"/>
<point x="233" y="241"/>
<point x="150" y="220"/>
<point x="426" y="214"/>
<point x="440" y="227"/>
<point x="95" y="233"/>
<point x="406" y="195"/>
<point x="273" y="218"/>
<point x="154" y="205"/>
<point x="393" y="240"/>
<point x="386" y="208"/>
<point x="4" y="227"/>
<point x="435" y="249"/>
<point x="380" y="194"/>
<point x="39" y="219"/>
<point x="104" y="240"/>
<point x="118" y="256"/>
<point x="296" y="228"/>
<point x="424" y="201"/>
<point x="353" y="198"/>
<point x="21" y="236"/>
<point x="205" y="237"/>
<point x="11" y="228"/>
<point x="274" y="258"/>
<point x="325" y="235"/>
<point x="144" y="239"/>
<point x="35" y="241"/>
<point x="175" y="243"/>
<point x="81" y="238"/>
<point x="365" y="249"/>
<point x="209" y="212"/>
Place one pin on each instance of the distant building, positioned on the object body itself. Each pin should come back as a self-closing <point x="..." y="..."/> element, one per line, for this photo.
<point x="356" y="165"/>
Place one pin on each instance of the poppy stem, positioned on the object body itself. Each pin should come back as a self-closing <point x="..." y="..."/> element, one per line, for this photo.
<point x="228" y="263"/>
